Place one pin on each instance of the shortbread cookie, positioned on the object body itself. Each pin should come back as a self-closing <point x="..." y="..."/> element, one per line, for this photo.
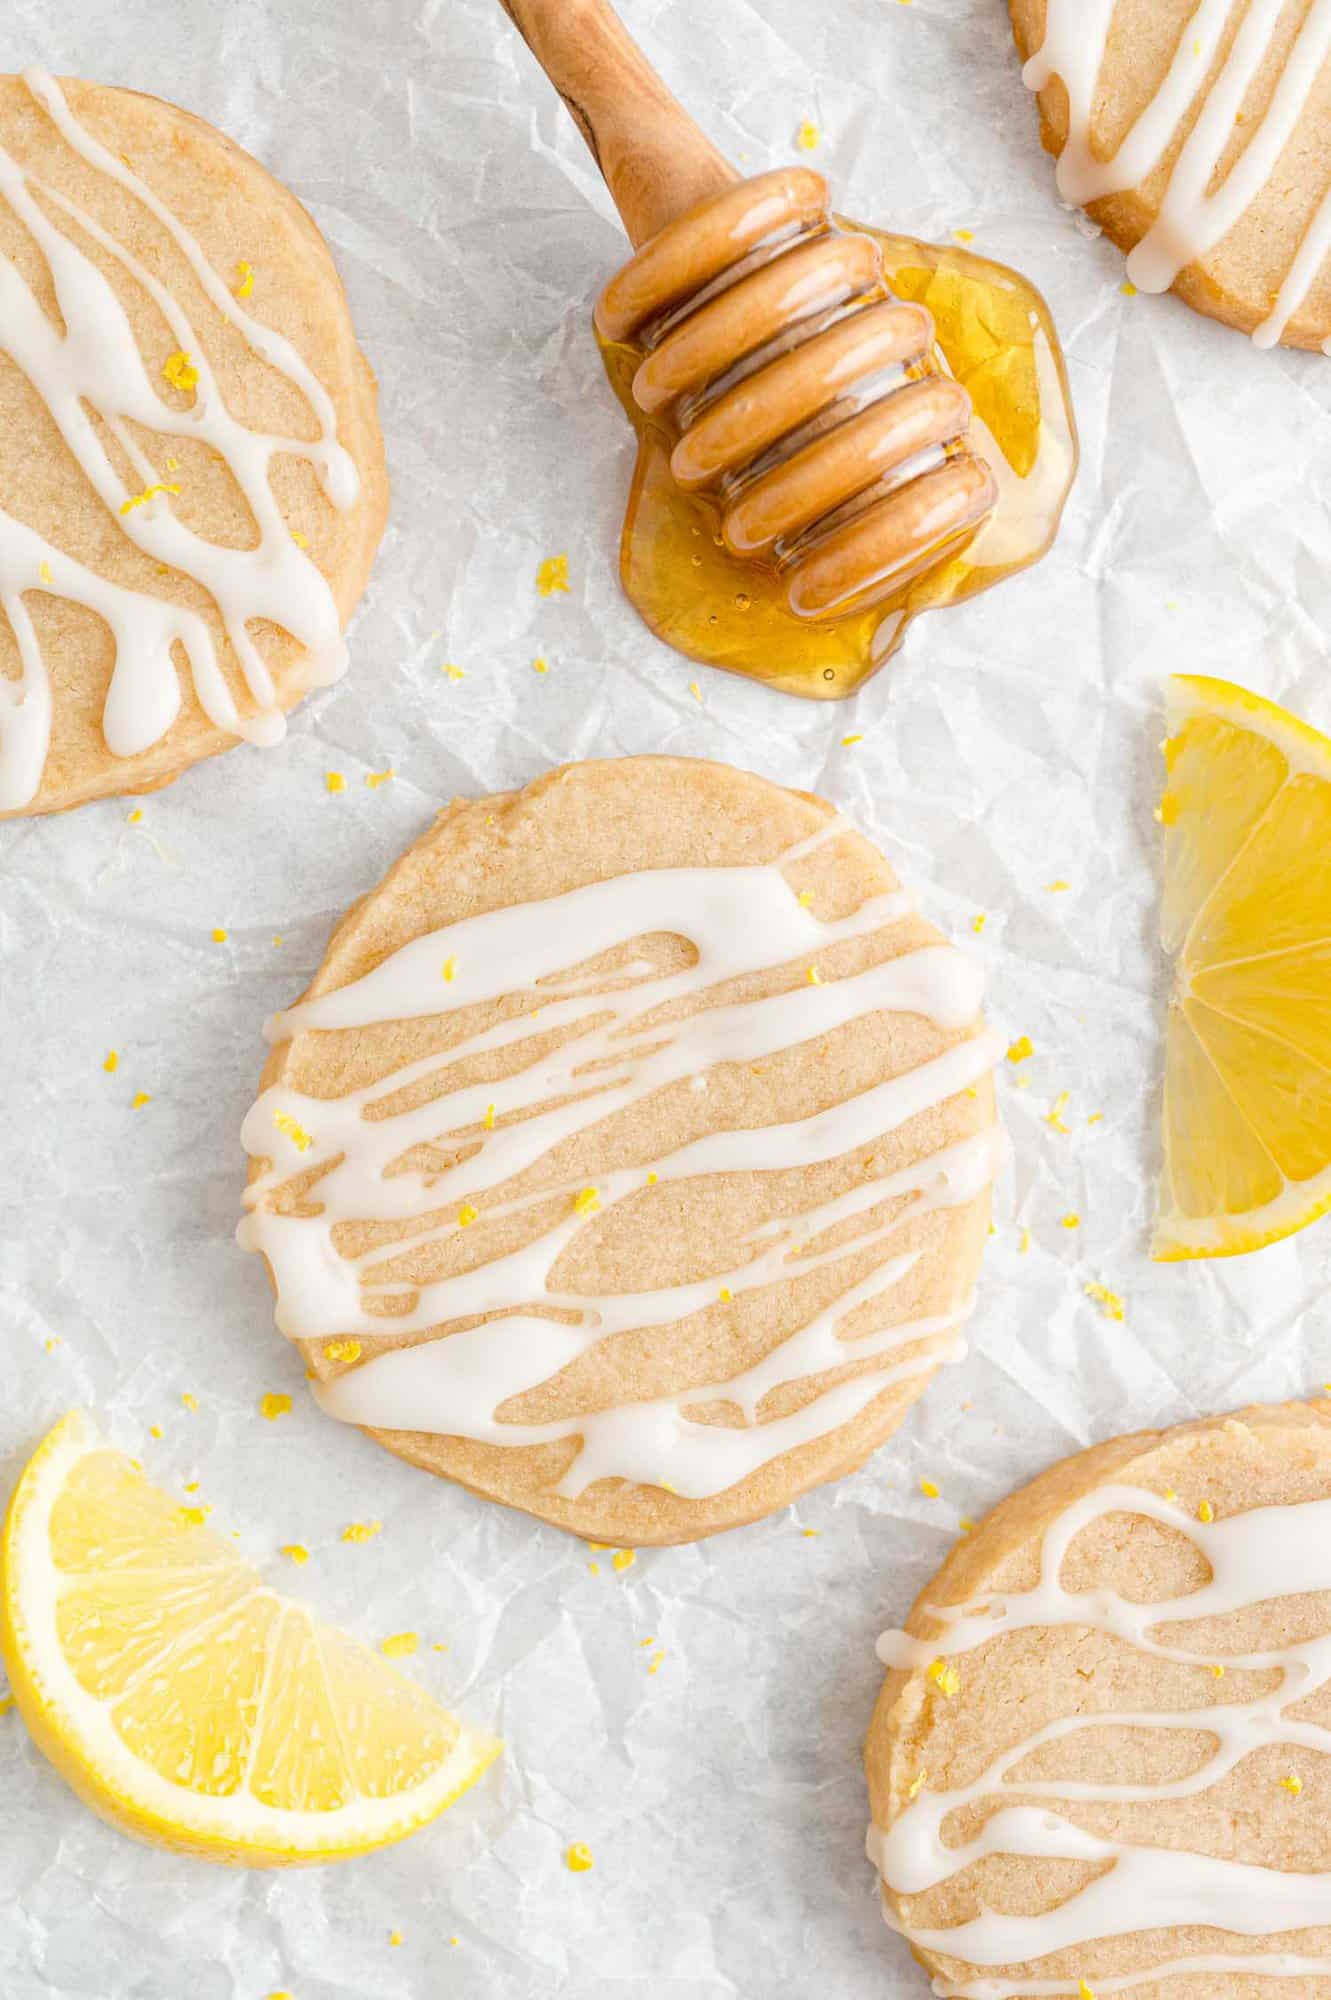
<point x="628" y="1159"/>
<point x="1101" y="1760"/>
<point x="192" y="483"/>
<point x="1198" y="133"/>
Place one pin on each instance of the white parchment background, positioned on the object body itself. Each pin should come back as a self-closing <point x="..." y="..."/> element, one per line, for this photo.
<point x="1013" y="743"/>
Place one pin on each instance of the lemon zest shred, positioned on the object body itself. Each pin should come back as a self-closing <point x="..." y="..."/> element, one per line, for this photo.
<point x="274" y="1405"/>
<point x="945" y="1677"/>
<point x="399" y="1645"/>
<point x="1021" y="1050"/>
<point x="292" y="1129"/>
<point x="180" y="371"/>
<point x="1109" y="1302"/>
<point x="552" y="575"/>
<point x="578" y="1858"/>
<point x="342" y="1350"/>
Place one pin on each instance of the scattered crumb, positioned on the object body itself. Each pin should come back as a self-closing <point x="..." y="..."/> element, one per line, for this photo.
<point x="296" y="1551"/>
<point x="399" y="1645"/>
<point x="552" y="575"/>
<point x="273" y="1406"/>
<point x="1021" y="1050"/>
<point x="361" y="1531"/>
<point x="578" y="1858"/>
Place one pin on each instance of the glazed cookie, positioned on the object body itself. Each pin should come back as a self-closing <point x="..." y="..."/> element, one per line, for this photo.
<point x="628" y="1159"/>
<point x="1198" y="134"/>
<point x="1101" y="1760"/>
<point x="192" y="482"/>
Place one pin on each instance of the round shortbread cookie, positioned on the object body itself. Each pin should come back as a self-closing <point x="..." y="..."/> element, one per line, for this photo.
<point x="628" y="1158"/>
<point x="1198" y="134"/>
<point x="192" y="480"/>
<point x="1101" y="1760"/>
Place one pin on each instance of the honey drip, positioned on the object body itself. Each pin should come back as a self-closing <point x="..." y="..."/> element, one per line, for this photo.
<point x="996" y="337"/>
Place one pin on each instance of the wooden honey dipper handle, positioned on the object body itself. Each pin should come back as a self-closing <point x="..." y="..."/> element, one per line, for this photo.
<point x="655" y="161"/>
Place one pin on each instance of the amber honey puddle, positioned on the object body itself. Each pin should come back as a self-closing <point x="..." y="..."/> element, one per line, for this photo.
<point x="998" y="339"/>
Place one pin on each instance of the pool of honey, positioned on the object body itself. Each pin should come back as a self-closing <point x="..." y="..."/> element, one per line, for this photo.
<point x="997" y="338"/>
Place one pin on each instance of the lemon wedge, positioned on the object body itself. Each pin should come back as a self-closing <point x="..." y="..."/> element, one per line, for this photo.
<point x="185" y="1701"/>
<point x="1247" y="921"/>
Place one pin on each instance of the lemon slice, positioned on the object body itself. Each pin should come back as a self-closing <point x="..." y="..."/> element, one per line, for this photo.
<point x="1247" y="920"/>
<point x="185" y="1701"/>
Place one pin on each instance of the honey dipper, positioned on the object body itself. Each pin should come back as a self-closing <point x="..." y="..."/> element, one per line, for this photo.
<point x="798" y="396"/>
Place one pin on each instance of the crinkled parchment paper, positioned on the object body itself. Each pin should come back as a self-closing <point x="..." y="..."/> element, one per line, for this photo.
<point x="1011" y="745"/>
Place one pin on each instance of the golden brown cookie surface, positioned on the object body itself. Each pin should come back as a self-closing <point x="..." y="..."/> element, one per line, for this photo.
<point x="628" y="1159"/>
<point x="191" y="472"/>
<point x="1102" y="1752"/>
<point x="1199" y="137"/>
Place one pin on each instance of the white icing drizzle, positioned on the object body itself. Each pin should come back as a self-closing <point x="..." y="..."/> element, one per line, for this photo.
<point x="618" y="1052"/>
<point x="1264" y="1554"/>
<point x="1193" y="217"/>
<point x="95" y="362"/>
